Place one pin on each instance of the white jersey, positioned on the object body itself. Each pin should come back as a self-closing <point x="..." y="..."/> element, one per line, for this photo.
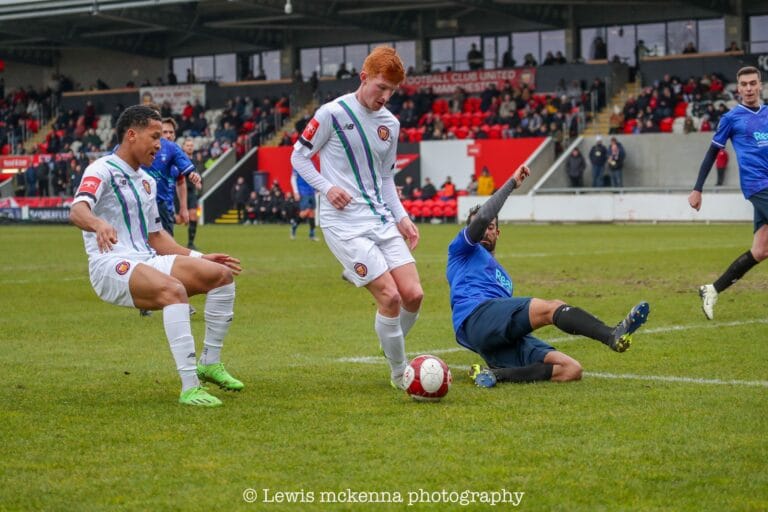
<point x="358" y="148"/>
<point x="125" y="198"/>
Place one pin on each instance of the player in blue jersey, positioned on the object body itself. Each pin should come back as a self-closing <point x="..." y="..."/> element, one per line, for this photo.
<point x="305" y="195"/>
<point x="169" y="165"/>
<point x="491" y="322"/>
<point x="747" y="127"/>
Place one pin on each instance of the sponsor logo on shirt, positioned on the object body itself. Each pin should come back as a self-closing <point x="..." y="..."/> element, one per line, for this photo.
<point x="361" y="270"/>
<point x="147" y="188"/>
<point x="310" y="130"/>
<point x="503" y="281"/>
<point x="89" y="185"/>
<point x="761" y="138"/>
<point x="349" y="126"/>
<point x="383" y="132"/>
<point x="122" y="267"/>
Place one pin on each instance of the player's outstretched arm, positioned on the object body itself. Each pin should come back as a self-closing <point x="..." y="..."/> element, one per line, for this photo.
<point x="490" y="209"/>
<point x="81" y="216"/>
<point x="694" y="198"/>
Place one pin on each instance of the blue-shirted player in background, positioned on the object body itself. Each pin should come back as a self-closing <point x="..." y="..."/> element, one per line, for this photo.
<point x="488" y="320"/>
<point x="170" y="168"/>
<point x="305" y="195"/>
<point x="747" y="127"/>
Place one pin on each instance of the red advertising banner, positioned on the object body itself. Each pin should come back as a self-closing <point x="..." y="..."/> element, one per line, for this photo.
<point x="472" y="81"/>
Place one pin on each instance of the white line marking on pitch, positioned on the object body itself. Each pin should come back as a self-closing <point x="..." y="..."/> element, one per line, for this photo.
<point x="601" y="375"/>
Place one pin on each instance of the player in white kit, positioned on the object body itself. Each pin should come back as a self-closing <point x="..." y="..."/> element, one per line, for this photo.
<point x="133" y="262"/>
<point x="363" y="221"/>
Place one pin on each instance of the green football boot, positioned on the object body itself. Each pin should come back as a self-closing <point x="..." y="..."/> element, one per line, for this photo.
<point x="217" y="374"/>
<point x="198" y="396"/>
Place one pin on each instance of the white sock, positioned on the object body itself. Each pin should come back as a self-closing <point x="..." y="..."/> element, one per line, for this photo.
<point x="392" y="342"/>
<point x="407" y="319"/>
<point x="219" y="305"/>
<point x="179" y="333"/>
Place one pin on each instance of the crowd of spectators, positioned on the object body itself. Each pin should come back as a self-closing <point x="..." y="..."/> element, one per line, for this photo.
<point x="24" y="110"/>
<point x="670" y="104"/>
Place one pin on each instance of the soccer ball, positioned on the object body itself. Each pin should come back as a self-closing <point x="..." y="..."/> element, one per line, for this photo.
<point x="427" y="378"/>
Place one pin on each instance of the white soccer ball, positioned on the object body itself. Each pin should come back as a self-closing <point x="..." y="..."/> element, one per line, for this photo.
<point x="427" y="378"/>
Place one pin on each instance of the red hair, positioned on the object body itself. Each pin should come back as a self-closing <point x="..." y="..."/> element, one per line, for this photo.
<point x="385" y="61"/>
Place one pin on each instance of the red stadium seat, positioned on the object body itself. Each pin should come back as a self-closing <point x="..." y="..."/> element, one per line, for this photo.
<point x="681" y="109"/>
<point x="466" y="119"/>
<point x="666" y="125"/>
<point x="478" y="118"/>
<point x="462" y="132"/>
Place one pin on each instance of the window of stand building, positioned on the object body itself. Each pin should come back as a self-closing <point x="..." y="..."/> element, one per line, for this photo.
<point x="328" y="59"/>
<point x="269" y="62"/>
<point x="758" y="34"/>
<point x="524" y="43"/>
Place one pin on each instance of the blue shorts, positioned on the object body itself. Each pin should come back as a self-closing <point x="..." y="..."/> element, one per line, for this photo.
<point x="760" y="202"/>
<point x="167" y="216"/>
<point x="499" y="331"/>
<point x="307" y="202"/>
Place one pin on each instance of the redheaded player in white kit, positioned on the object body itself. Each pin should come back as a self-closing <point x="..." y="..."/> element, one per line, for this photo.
<point x="363" y="221"/>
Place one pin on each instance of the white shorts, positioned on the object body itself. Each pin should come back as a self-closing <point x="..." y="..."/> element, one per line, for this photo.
<point x="110" y="275"/>
<point x="367" y="253"/>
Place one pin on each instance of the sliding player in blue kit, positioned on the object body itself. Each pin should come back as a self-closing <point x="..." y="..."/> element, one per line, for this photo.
<point x="747" y="127"/>
<point x="491" y="322"/>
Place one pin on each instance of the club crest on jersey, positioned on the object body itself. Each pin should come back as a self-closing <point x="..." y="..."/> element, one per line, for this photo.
<point x="383" y="132"/>
<point x="147" y="188"/>
<point x="122" y="267"/>
<point x="310" y="130"/>
<point x="361" y="270"/>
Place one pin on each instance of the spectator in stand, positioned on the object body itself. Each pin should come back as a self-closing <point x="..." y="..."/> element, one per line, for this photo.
<point x="706" y="124"/>
<point x="226" y="133"/>
<point x="549" y="59"/>
<point x="252" y="208"/>
<point x="688" y="126"/>
<point x="474" y="58"/>
<point x="42" y="180"/>
<point x="456" y="103"/>
<point x="75" y="176"/>
<point x="409" y="188"/>
<point x="616" y="121"/>
<point x="616" y="157"/>
<point x="487" y="97"/>
<point x="30" y="178"/>
<point x="343" y="72"/>
<point x="575" y="165"/>
<point x="191" y="78"/>
<point x="733" y="47"/>
<point x="239" y="196"/>
<point x="448" y="190"/>
<point x="408" y="116"/>
<point x="506" y="59"/>
<point x="721" y="164"/>
<point x="428" y="191"/>
<point x="690" y="48"/>
<point x="598" y="156"/>
<point x="529" y="60"/>
<point x="472" y="186"/>
<point x="599" y="49"/>
<point x="560" y="58"/>
<point x="649" y="126"/>
<point x="485" y="183"/>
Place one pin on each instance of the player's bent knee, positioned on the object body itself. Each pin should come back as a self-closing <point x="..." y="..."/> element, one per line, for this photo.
<point x="172" y="291"/>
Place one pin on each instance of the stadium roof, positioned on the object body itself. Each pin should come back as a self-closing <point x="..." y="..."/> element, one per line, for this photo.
<point x="34" y="30"/>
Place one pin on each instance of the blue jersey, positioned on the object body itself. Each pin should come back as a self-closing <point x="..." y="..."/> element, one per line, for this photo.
<point x="169" y="163"/>
<point x="748" y="132"/>
<point x="474" y="276"/>
<point x="304" y="188"/>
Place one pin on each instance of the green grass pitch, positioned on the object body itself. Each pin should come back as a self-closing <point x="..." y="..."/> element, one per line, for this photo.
<point x="679" y="422"/>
